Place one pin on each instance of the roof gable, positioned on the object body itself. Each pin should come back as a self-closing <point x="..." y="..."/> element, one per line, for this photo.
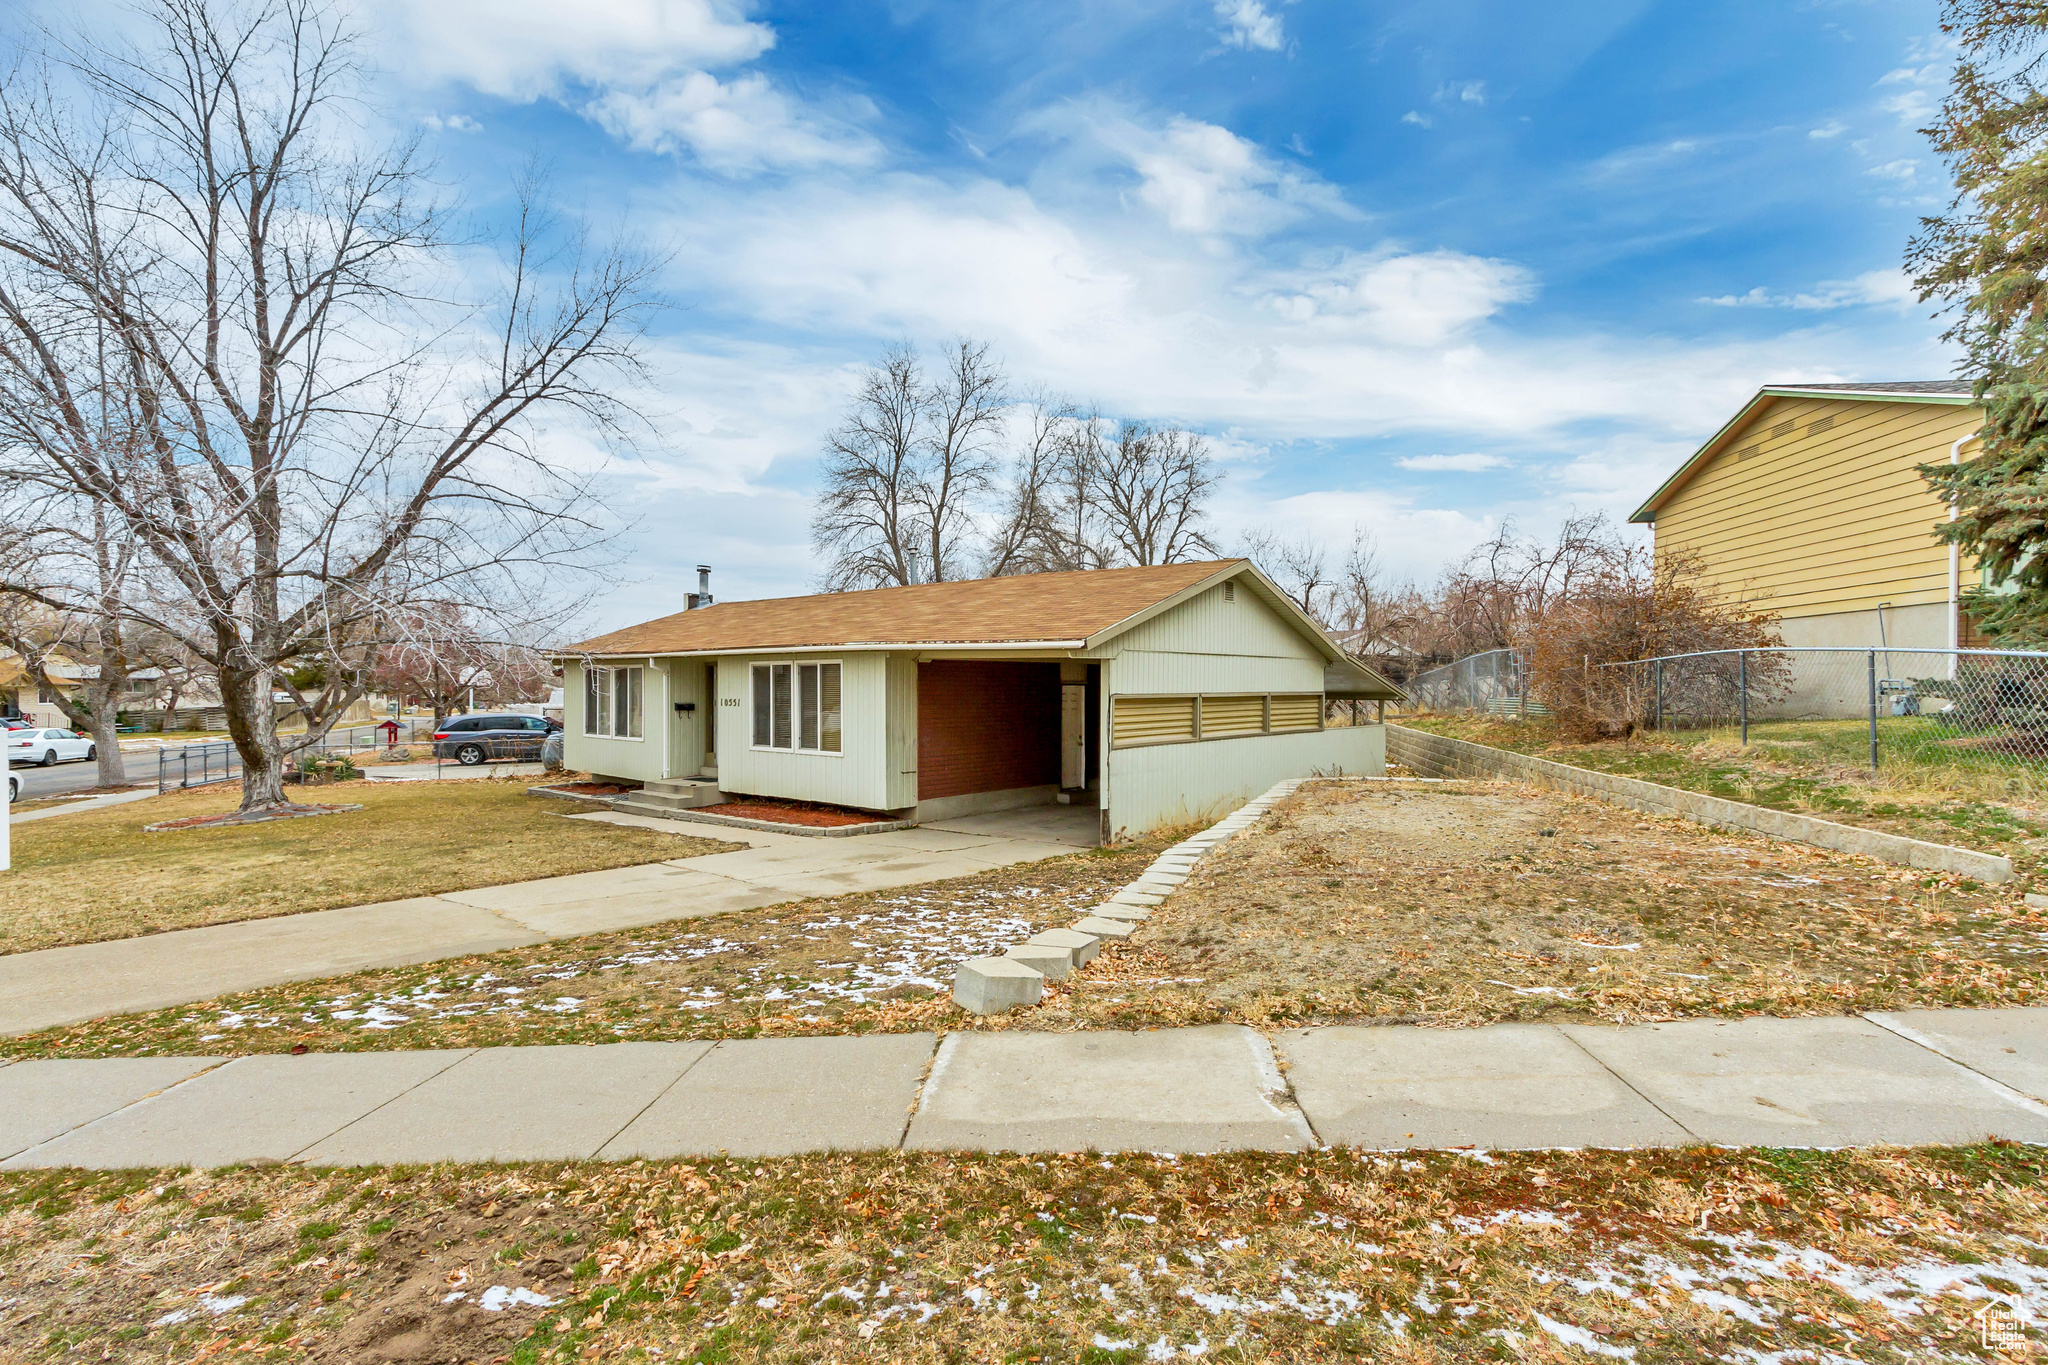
<point x="1948" y="392"/>
<point x="1069" y="609"/>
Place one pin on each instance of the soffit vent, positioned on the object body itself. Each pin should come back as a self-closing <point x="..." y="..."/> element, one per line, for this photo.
<point x="1782" y="429"/>
<point x="1820" y="425"/>
<point x="1748" y="451"/>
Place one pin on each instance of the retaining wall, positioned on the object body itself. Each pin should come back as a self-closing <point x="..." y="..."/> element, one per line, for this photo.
<point x="1430" y="755"/>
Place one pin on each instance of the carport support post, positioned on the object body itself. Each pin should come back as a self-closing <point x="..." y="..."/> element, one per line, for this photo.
<point x="1873" y="710"/>
<point x="1742" y="682"/>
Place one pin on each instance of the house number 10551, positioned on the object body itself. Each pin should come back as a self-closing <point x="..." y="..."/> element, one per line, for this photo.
<point x="728" y="701"/>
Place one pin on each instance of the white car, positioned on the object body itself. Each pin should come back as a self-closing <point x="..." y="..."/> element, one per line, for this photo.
<point x="13" y="786"/>
<point x="42" y="748"/>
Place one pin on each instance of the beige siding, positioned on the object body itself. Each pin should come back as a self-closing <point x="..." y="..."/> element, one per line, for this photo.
<point x="637" y="760"/>
<point x="1177" y="784"/>
<point x="855" y="776"/>
<point x="1811" y="522"/>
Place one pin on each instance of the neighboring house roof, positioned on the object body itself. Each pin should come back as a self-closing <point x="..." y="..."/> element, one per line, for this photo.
<point x="1949" y="392"/>
<point x="1066" y="611"/>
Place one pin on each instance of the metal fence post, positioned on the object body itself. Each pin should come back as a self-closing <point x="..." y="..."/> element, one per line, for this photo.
<point x="1742" y="677"/>
<point x="1658" y="715"/>
<point x="1873" y="710"/>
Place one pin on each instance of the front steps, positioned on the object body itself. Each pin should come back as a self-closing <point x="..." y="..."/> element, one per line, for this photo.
<point x="672" y="794"/>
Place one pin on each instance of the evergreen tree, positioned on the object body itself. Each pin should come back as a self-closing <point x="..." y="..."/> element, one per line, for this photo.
<point x="1987" y="257"/>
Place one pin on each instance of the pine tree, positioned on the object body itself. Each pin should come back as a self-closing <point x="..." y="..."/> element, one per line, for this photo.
<point x="1987" y="257"/>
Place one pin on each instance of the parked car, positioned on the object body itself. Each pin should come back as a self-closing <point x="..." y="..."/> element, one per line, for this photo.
<point x="13" y="786"/>
<point x="45" y="747"/>
<point x="471" y="740"/>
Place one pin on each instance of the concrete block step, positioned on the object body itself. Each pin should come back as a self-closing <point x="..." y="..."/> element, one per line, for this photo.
<point x="672" y="800"/>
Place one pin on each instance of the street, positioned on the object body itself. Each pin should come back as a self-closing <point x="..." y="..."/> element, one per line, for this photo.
<point x="140" y="766"/>
<point x="72" y="777"/>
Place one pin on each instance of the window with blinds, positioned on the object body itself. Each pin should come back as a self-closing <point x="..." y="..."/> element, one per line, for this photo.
<point x="797" y="707"/>
<point x="612" y="701"/>
<point x="1183" y="720"/>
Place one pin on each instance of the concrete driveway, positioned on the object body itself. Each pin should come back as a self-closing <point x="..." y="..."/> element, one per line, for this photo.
<point x="65" y="985"/>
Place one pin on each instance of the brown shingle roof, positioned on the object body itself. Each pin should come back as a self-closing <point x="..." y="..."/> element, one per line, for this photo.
<point x="982" y="611"/>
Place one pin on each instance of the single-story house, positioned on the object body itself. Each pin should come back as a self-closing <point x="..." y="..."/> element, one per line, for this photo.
<point x="1809" y="499"/>
<point x="21" y="696"/>
<point x="1158" y="694"/>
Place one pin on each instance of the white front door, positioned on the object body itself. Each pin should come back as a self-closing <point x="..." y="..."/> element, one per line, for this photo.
<point x="1073" y="735"/>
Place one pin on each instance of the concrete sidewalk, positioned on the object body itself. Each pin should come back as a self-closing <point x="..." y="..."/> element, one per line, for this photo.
<point x="65" y="985"/>
<point x="1945" y="1076"/>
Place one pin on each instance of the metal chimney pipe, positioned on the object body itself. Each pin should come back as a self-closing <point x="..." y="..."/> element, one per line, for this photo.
<point x="703" y="585"/>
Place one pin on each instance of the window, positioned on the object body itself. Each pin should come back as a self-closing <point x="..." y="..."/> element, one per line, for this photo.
<point x="611" y="701"/>
<point x="797" y="707"/>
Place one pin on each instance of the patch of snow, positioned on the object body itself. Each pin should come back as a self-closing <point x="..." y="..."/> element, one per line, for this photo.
<point x="499" y="1297"/>
<point x="1583" y="1339"/>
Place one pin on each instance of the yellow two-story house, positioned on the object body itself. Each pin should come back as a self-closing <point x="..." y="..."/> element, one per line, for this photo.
<point x="1808" y="503"/>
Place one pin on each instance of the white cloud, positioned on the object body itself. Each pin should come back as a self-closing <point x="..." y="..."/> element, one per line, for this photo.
<point x="1905" y="171"/>
<point x="1874" y="287"/>
<point x="737" y="125"/>
<point x="1461" y="92"/>
<point x="1410" y="299"/>
<point x="452" y="123"/>
<point x="1249" y="24"/>
<point x="1418" y="119"/>
<point x="1199" y="177"/>
<point x="1457" y="464"/>
<point x="642" y="69"/>
<point x="1832" y="128"/>
<point x="527" y="49"/>
<point x="1912" y="108"/>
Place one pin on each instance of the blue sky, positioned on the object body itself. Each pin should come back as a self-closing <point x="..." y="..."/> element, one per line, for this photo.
<point x="1413" y="266"/>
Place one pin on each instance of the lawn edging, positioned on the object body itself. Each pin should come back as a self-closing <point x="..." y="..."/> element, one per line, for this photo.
<point x="1441" y="756"/>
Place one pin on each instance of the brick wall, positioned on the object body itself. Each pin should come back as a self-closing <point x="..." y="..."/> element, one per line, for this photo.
<point x="986" y="727"/>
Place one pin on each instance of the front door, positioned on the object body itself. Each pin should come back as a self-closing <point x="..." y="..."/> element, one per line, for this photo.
<point x="710" y="713"/>
<point x="1073" y="735"/>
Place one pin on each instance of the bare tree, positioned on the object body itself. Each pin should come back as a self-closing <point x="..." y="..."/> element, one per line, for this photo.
<point x="1152" y="488"/>
<point x="866" y="518"/>
<point x="321" y="438"/>
<point x="907" y="471"/>
<point x="1299" y="565"/>
<point x="1027" y="535"/>
<point x="964" y="412"/>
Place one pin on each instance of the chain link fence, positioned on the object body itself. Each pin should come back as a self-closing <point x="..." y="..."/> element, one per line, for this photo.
<point x="1495" y="683"/>
<point x="1971" y="707"/>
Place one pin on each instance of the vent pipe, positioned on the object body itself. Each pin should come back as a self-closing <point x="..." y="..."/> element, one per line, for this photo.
<point x="701" y="597"/>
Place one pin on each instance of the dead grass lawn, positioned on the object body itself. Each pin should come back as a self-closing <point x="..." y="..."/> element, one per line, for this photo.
<point x="1462" y="904"/>
<point x="1686" y="1255"/>
<point x="877" y="960"/>
<point x="95" y="875"/>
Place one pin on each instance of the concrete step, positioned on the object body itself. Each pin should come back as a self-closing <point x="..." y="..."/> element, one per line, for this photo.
<point x="668" y="801"/>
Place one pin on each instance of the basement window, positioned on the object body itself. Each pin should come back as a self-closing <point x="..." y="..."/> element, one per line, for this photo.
<point x="797" y="707"/>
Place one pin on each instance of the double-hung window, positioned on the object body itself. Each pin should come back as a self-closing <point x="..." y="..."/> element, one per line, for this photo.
<point x="611" y="701"/>
<point x="796" y="707"/>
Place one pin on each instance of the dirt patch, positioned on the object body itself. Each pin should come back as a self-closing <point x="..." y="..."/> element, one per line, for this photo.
<point x="342" y="1267"/>
<point x="289" y="811"/>
<point x="590" y="788"/>
<point x="793" y="813"/>
<point x="1474" y="903"/>
<point x="1688" y="1255"/>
